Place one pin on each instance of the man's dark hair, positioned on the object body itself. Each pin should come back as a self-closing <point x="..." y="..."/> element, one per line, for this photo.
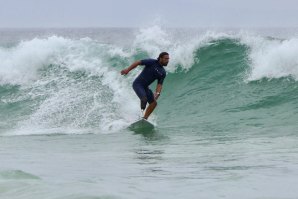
<point x="161" y="55"/>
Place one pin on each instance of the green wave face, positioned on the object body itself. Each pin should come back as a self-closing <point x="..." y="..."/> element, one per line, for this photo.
<point x="214" y="95"/>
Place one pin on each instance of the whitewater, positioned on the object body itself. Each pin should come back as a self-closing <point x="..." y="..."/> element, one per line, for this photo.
<point x="225" y="124"/>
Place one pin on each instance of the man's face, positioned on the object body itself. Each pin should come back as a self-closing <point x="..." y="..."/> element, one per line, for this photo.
<point x="164" y="60"/>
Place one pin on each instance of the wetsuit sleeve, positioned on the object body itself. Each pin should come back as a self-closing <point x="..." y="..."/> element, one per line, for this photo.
<point x="147" y="62"/>
<point x="160" y="81"/>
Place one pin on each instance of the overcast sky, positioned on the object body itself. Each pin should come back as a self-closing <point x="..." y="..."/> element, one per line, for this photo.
<point x="139" y="13"/>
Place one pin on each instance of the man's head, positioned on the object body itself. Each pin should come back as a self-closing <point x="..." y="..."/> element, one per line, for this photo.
<point x="163" y="58"/>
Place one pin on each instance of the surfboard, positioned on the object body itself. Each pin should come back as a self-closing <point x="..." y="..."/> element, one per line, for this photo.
<point x="141" y="125"/>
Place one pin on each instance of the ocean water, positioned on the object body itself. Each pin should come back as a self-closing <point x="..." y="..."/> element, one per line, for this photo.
<point x="225" y="125"/>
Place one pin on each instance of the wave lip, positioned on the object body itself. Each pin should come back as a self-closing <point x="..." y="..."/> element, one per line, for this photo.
<point x="272" y="58"/>
<point x="20" y="64"/>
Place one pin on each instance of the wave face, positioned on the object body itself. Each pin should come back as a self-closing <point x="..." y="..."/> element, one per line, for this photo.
<point x="69" y="82"/>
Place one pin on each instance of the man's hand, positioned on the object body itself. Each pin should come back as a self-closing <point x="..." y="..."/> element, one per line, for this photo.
<point x="124" y="72"/>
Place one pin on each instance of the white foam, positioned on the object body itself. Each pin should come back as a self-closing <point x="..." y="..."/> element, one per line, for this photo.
<point x="271" y="58"/>
<point x="71" y="104"/>
<point x="19" y="65"/>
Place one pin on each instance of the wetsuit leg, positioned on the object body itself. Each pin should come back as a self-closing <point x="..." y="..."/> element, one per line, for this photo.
<point x="141" y="93"/>
<point x="150" y="96"/>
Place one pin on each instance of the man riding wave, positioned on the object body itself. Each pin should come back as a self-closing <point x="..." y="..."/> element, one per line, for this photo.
<point x="153" y="70"/>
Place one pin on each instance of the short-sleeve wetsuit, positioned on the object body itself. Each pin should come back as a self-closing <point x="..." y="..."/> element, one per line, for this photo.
<point x="152" y="71"/>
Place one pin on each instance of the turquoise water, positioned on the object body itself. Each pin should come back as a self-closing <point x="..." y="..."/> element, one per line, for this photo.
<point x="225" y="125"/>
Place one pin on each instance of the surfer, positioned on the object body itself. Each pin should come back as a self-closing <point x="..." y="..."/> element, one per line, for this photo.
<point x="153" y="70"/>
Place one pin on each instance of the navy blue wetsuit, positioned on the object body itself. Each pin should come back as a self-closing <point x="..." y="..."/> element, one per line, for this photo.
<point x="152" y="71"/>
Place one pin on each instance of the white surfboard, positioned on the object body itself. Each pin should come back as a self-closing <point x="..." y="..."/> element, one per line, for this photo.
<point x="141" y="124"/>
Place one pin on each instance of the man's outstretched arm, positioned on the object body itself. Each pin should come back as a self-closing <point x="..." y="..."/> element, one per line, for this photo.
<point x="132" y="66"/>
